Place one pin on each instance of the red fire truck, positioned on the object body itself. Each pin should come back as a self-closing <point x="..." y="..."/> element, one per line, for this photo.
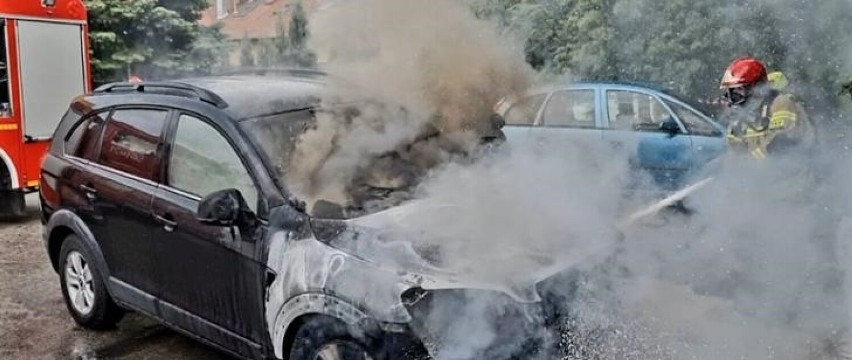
<point x="44" y="63"/>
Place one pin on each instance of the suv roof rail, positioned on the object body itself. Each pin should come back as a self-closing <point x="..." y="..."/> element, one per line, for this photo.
<point x="150" y="87"/>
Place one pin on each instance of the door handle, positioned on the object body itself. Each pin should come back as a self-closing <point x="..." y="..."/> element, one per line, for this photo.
<point x="168" y="224"/>
<point x="91" y="192"/>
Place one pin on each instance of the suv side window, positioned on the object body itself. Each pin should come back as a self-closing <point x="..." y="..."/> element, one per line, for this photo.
<point x="203" y="161"/>
<point x="84" y="138"/>
<point x="131" y="139"/>
<point x="524" y="111"/>
<point x="631" y="110"/>
<point x="574" y="108"/>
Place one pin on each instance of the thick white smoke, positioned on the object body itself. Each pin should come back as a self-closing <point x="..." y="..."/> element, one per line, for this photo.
<point x="445" y="68"/>
<point x="758" y="270"/>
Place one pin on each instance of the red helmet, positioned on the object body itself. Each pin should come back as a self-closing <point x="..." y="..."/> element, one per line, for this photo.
<point x="742" y="72"/>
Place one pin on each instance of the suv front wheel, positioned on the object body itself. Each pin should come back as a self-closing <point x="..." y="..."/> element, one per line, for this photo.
<point x="83" y="288"/>
<point x="325" y="338"/>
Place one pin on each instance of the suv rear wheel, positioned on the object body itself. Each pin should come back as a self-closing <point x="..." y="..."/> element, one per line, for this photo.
<point x="83" y="289"/>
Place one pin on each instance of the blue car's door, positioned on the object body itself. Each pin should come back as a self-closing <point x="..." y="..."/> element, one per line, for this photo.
<point x="570" y="116"/>
<point x="566" y="116"/>
<point x="634" y="119"/>
<point x="708" y="137"/>
<point x="520" y="117"/>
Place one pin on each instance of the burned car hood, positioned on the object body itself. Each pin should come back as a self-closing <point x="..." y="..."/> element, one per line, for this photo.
<point x="418" y="239"/>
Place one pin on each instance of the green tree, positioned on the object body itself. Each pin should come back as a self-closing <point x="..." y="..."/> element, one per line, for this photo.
<point x="499" y="11"/>
<point x="210" y="49"/>
<point x="151" y="38"/>
<point x="281" y="42"/>
<point x="267" y="56"/>
<point x="247" y="59"/>
<point x="586" y="40"/>
<point x="298" y="26"/>
<point x="540" y="24"/>
<point x="298" y="35"/>
<point x="684" y="45"/>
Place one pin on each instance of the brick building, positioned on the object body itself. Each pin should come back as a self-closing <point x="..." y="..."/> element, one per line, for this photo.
<point x="255" y="21"/>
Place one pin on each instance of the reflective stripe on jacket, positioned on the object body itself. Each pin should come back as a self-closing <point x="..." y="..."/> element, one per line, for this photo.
<point x="781" y="125"/>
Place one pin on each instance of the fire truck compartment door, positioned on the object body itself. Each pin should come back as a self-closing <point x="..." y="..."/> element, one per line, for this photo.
<point x="52" y="72"/>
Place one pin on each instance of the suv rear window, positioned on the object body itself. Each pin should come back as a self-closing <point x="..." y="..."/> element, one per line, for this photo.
<point x="131" y="141"/>
<point x="83" y="141"/>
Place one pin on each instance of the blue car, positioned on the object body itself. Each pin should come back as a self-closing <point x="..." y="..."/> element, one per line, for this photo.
<point x="661" y="134"/>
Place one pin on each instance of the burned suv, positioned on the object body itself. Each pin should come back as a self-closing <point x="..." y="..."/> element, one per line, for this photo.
<point x="167" y="199"/>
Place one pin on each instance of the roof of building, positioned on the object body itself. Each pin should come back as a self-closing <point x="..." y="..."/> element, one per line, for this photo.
<point x="256" y="19"/>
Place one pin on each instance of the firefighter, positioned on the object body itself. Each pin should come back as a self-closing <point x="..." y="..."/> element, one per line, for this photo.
<point x="762" y="119"/>
<point x="766" y="121"/>
<point x="778" y="80"/>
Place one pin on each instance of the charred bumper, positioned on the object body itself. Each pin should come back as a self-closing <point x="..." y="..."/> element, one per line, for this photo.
<point x="476" y="324"/>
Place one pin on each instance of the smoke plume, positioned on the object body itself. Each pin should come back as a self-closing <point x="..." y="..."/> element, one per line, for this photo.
<point x="757" y="270"/>
<point x="443" y="67"/>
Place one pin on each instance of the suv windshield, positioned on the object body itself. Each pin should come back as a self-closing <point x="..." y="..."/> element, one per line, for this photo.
<point x="276" y="136"/>
<point x="337" y="154"/>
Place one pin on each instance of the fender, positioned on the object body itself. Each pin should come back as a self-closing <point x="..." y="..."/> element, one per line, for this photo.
<point x="13" y="172"/>
<point x="66" y="218"/>
<point x="311" y="303"/>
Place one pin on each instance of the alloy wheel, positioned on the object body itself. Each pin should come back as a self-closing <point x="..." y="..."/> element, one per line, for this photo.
<point x="79" y="284"/>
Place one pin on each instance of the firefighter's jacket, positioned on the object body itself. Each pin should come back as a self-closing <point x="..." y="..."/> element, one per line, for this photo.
<point x="772" y="125"/>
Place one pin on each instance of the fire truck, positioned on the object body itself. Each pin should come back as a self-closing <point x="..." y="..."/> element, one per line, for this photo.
<point x="44" y="63"/>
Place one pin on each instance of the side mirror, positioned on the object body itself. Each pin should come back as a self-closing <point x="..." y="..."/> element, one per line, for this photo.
<point x="221" y="208"/>
<point x="670" y="126"/>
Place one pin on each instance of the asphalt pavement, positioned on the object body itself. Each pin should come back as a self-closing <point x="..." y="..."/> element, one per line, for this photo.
<point x="34" y="323"/>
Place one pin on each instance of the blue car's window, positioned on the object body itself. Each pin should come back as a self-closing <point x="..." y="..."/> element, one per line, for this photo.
<point x="571" y="108"/>
<point x="524" y="111"/>
<point x="695" y="124"/>
<point x="630" y="110"/>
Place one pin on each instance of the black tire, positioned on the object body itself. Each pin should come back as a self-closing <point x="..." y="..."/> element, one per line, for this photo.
<point x="104" y="313"/>
<point x="319" y="332"/>
<point x="13" y="205"/>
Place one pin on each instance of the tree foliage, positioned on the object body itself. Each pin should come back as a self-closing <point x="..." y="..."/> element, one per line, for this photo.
<point x="247" y="58"/>
<point x="683" y="44"/>
<point x="587" y="38"/>
<point x="299" y="52"/>
<point x="151" y="38"/>
<point x="289" y="46"/>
